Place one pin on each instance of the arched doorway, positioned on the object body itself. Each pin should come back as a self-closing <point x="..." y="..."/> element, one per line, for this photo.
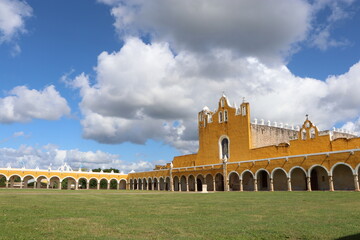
<point x="82" y="183"/>
<point x="162" y="184"/>
<point x="343" y="177"/>
<point x="131" y="184"/>
<point x="210" y="182"/>
<point x="150" y="184"/>
<point x="68" y="183"/>
<point x="135" y="184"/>
<point x="183" y="184"/>
<point x="2" y="181"/>
<point x="219" y="182"/>
<point x="122" y="184"/>
<point x="93" y="183"/>
<point x="319" y="179"/>
<point x="280" y="180"/>
<point x="104" y="183"/>
<point x="15" y="181"/>
<point x="28" y="181"/>
<point x="191" y="180"/>
<point x="167" y="184"/>
<point x="113" y="184"/>
<point x="140" y="184"/>
<point x="156" y="184"/>
<point x="234" y="182"/>
<point x="41" y="182"/>
<point x="54" y="182"/>
<point x="298" y="179"/>
<point x="144" y="184"/>
<point x="248" y="181"/>
<point x="200" y="183"/>
<point x="263" y="180"/>
<point x="176" y="183"/>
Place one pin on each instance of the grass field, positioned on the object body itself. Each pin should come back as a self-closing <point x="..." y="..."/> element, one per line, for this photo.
<point x="106" y="214"/>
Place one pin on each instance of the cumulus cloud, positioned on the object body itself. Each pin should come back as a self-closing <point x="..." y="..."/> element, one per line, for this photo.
<point x="264" y="29"/>
<point x="12" y="19"/>
<point x="23" y="104"/>
<point x="51" y="155"/>
<point x="144" y="91"/>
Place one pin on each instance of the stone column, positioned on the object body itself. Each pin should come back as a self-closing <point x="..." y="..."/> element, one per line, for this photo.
<point x="308" y="180"/>
<point x="21" y="184"/>
<point x="60" y="183"/>
<point x="98" y="185"/>
<point x="255" y="185"/>
<point x="108" y="186"/>
<point x="214" y="183"/>
<point x="241" y="185"/>
<point x="356" y="182"/>
<point x="76" y="185"/>
<point x="35" y="183"/>
<point x="7" y="183"/>
<point x="171" y="187"/>
<point x="88" y="185"/>
<point x="47" y="185"/>
<point x="289" y="184"/>
<point x="226" y="180"/>
<point x="187" y="185"/>
<point x="118" y="186"/>
<point x="271" y="184"/>
<point x="331" y="183"/>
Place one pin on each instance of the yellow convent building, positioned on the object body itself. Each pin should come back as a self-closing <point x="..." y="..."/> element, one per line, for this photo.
<point x="236" y="154"/>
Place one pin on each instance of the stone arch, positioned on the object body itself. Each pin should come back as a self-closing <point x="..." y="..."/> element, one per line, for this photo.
<point x="41" y="181"/>
<point x="298" y="179"/>
<point x="234" y="181"/>
<point x="145" y="185"/>
<point x="156" y="184"/>
<point x="247" y="178"/>
<point x="343" y="176"/>
<point x="200" y="183"/>
<point x="176" y="183"/>
<point x="140" y="184"/>
<point x="82" y="183"/>
<point x="136" y="184"/>
<point x="319" y="177"/>
<point x="93" y="183"/>
<point x="183" y="183"/>
<point x="263" y="179"/>
<point x="26" y="180"/>
<point x="210" y="182"/>
<point x="68" y="183"/>
<point x="167" y="184"/>
<point x="219" y="182"/>
<point x="54" y="182"/>
<point x="104" y="183"/>
<point x="3" y="180"/>
<point x="15" y="181"/>
<point x="150" y="184"/>
<point x="224" y="147"/>
<point x="162" y="184"/>
<point x="122" y="184"/>
<point x="131" y="184"/>
<point x="280" y="179"/>
<point x="191" y="183"/>
<point x="113" y="183"/>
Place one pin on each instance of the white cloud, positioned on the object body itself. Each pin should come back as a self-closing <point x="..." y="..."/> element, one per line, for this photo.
<point x="23" y="104"/>
<point x="264" y="29"/>
<point x="12" y="19"/>
<point x="145" y="92"/>
<point x="43" y="157"/>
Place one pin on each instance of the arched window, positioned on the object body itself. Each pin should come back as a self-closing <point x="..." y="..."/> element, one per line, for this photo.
<point x="220" y="117"/>
<point x="225" y="148"/>
<point x="225" y="116"/>
<point x="303" y="134"/>
<point x="312" y="132"/>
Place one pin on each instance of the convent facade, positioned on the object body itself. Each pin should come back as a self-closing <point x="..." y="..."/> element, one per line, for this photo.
<point x="236" y="154"/>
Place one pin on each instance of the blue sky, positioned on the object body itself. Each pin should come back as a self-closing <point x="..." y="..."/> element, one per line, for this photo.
<point x="114" y="83"/>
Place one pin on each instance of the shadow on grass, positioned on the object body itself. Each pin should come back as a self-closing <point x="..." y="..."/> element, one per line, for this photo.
<point x="350" y="237"/>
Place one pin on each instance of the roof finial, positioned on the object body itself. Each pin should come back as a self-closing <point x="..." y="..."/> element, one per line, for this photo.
<point x="307" y="116"/>
<point x="243" y="99"/>
<point x="223" y="94"/>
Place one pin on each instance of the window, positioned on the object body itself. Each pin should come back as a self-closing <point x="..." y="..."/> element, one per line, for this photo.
<point x="244" y="111"/>
<point x="225" y="116"/>
<point x="224" y="148"/>
<point x="303" y="134"/>
<point x="220" y="117"/>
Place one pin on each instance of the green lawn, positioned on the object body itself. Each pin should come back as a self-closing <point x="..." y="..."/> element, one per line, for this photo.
<point x="111" y="214"/>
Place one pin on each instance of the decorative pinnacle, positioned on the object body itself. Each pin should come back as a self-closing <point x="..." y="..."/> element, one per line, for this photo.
<point x="307" y="116"/>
